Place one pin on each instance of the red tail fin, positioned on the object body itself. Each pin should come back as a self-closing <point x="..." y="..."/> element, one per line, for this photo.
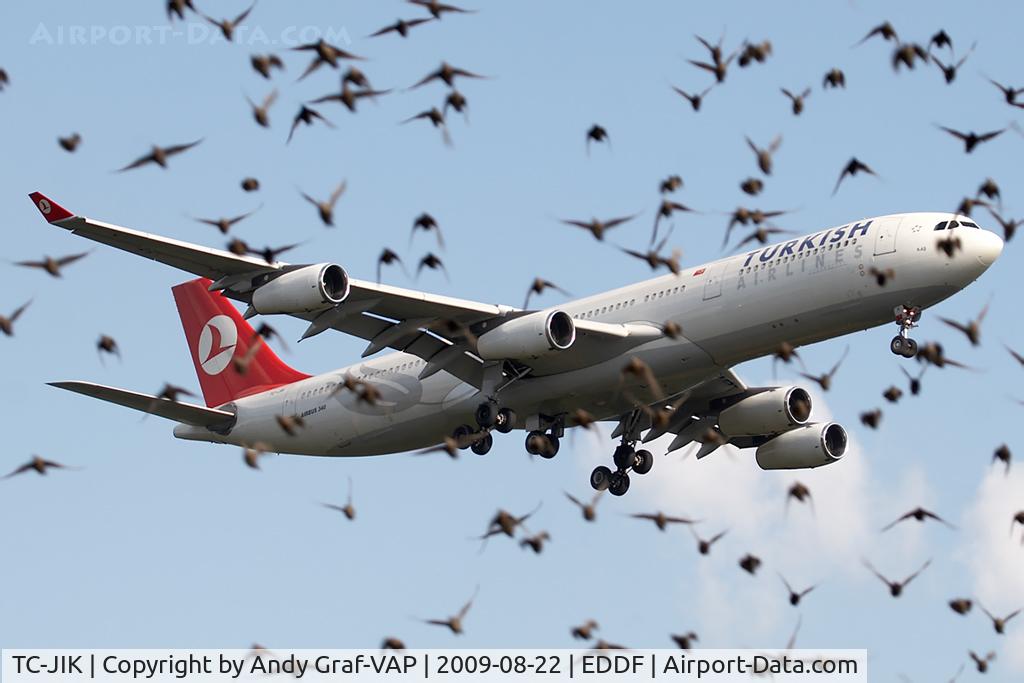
<point x="230" y="358"/>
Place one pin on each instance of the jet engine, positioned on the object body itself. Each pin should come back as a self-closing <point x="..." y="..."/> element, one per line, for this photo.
<point x="808" y="446"/>
<point x="305" y="289"/>
<point x="530" y="336"/>
<point x="774" y="411"/>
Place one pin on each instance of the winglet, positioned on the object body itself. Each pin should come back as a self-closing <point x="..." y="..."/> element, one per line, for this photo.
<point x="51" y="210"/>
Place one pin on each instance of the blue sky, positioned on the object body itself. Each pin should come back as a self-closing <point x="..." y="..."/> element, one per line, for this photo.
<point x="156" y="542"/>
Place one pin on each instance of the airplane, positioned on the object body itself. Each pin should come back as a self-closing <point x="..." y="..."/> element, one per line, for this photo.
<point x="462" y="369"/>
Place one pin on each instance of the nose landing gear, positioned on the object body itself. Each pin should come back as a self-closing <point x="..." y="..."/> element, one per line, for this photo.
<point x="906" y="318"/>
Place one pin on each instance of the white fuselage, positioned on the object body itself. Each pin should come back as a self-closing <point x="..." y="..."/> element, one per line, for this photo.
<point x="731" y="310"/>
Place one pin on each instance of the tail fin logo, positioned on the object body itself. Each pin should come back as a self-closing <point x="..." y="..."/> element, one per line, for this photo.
<point x="217" y="344"/>
<point x="45" y="207"/>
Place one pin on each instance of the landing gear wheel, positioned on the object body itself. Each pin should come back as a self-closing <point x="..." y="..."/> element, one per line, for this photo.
<point x="535" y="442"/>
<point x="906" y="318"/>
<point x="505" y="420"/>
<point x="461" y="433"/>
<point x="600" y="478"/>
<point x="623" y="457"/>
<point x="550" y="447"/>
<point x="643" y="461"/>
<point x="483" y="446"/>
<point x="909" y="348"/>
<point x="486" y="414"/>
<point x="618" y="484"/>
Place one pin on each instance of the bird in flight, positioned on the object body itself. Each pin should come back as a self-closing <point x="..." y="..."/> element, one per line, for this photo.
<point x="227" y="26"/>
<point x="37" y="464"/>
<point x="159" y="155"/>
<point x="919" y="514"/>
<point x="972" y="139"/>
<point x="454" y="623"/>
<point x="52" y="266"/>
<point x="7" y="321"/>
<point x="598" y="227"/>
<point x="896" y="587"/>
<point x="326" y="208"/>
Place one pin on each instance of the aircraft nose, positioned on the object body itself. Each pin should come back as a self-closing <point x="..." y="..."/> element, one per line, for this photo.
<point x="987" y="248"/>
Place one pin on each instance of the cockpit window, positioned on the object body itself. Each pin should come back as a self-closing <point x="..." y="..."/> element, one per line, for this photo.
<point x="953" y="224"/>
<point x="941" y="226"/>
<point x="968" y="224"/>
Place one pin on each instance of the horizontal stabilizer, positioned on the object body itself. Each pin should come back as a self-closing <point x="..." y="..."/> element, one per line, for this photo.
<point x="186" y="413"/>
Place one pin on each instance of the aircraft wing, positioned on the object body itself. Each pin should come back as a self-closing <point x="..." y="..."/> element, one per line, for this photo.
<point x="694" y="412"/>
<point x="433" y="327"/>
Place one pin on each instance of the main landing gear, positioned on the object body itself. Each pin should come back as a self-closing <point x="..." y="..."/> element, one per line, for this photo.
<point x="544" y="444"/>
<point x="906" y="318"/>
<point x="626" y="459"/>
<point x="489" y="417"/>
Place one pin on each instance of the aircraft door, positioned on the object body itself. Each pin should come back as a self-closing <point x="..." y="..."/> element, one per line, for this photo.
<point x="885" y="237"/>
<point x="713" y="281"/>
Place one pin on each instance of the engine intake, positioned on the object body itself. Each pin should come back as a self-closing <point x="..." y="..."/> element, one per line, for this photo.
<point x="529" y="336"/>
<point x="809" y="446"/>
<point x="305" y="289"/>
<point x="774" y="411"/>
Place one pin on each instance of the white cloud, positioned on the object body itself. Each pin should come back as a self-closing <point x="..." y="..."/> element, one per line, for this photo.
<point x="826" y="544"/>
<point x="994" y="558"/>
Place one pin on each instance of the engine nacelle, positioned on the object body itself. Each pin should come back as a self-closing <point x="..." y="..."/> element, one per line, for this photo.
<point x="306" y="289"/>
<point x="530" y="336"/>
<point x="812" y="445"/>
<point x="774" y="411"/>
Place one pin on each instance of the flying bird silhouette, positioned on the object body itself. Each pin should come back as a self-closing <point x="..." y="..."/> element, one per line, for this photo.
<point x="325" y="53"/>
<point x="159" y="155"/>
<point x="795" y="596"/>
<point x="704" y="544"/>
<point x="38" y="465"/>
<point x="797" y="101"/>
<point x="598" y="227"/>
<point x="972" y="139"/>
<point x="401" y="27"/>
<point x="589" y="510"/>
<point x="834" y="78"/>
<point x="695" y="99"/>
<point x="919" y="514"/>
<point x="438" y="9"/>
<point x="999" y="623"/>
<point x="306" y="116"/>
<point x="263" y="64"/>
<point x="347" y="509"/>
<point x="852" y="168"/>
<point x="326" y="208"/>
<point x="896" y="587"/>
<point x="70" y="143"/>
<point x="538" y="286"/>
<point x="53" y="266"/>
<point x="227" y="26"/>
<point x="454" y="623"/>
<point x="7" y="322"/>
